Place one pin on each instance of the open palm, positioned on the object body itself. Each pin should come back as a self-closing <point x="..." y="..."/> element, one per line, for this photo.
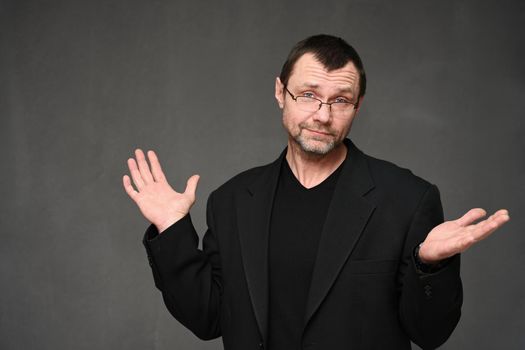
<point x="156" y="199"/>
<point x="456" y="236"/>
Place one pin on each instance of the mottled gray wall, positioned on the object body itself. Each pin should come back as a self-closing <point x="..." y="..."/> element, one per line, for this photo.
<point x="82" y="83"/>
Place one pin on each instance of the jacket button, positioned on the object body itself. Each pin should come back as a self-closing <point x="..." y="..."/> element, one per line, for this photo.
<point x="428" y="291"/>
<point x="261" y="346"/>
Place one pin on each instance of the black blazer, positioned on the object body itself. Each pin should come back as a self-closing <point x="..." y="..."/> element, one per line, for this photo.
<point x="366" y="292"/>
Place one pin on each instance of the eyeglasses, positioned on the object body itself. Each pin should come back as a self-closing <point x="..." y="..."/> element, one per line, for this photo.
<point x="339" y="108"/>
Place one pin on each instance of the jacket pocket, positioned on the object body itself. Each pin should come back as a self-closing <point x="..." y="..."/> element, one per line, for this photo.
<point x="363" y="267"/>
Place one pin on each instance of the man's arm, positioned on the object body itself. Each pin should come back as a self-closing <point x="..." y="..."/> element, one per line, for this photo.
<point x="430" y="304"/>
<point x="189" y="279"/>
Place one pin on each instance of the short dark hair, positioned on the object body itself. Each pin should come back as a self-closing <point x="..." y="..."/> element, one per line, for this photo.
<point x="331" y="51"/>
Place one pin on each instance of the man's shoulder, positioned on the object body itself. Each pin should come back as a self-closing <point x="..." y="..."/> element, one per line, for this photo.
<point x="247" y="177"/>
<point x="383" y="173"/>
<point x="390" y="175"/>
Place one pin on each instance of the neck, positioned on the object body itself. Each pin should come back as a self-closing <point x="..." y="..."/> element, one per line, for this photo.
<point x="311" y="169"/>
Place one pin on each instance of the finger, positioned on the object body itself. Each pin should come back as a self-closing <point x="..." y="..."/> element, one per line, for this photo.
<point x="497" y="219"/>
<point x="471" y="216"/>
<point x="129" y="189"/>
<point x="498" y="215"/>
<point x="475" y="233"/>
<point x="191" y="186"/>
<point x="501" y="212"/>
<point x="135" y="174"/>
<point x="486" y="227"/>
<point x="143" y="166"/>
<point x="156" y="169"/>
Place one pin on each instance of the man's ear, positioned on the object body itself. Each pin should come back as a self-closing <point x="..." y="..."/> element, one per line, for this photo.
<point x="279" y="92"/>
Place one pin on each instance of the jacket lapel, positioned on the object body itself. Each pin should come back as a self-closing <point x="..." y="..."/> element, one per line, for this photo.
<point x="254" y="209"/>
<point x="346" y="218"/>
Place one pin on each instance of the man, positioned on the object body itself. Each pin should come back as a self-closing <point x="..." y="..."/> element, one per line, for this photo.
<point x="325" y="248"/>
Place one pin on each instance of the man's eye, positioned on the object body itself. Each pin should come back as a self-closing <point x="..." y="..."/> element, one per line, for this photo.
<point x="308" y="94"/>
<point x="341" y="100"/>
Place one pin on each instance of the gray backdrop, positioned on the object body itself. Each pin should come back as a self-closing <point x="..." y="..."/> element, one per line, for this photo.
<point x="83" y="83"/>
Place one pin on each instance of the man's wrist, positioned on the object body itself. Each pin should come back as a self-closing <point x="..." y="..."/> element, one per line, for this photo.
<point x="424" y="266"/>
<point x="162" y="227"/>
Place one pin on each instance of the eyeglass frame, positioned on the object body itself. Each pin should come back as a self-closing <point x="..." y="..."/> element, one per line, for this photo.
<point x="321" y="103"/>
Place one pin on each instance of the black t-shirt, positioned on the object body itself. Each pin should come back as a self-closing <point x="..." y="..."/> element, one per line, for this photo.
<point x="298" y="216"/>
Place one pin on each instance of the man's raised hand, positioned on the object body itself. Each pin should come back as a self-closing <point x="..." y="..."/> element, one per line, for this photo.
<point x="156" y="199"/>
<point x="456" y="236"/>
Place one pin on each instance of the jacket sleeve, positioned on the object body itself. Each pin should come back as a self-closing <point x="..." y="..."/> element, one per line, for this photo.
<point x="189" y="278"/>
<point x="430" y="304"/>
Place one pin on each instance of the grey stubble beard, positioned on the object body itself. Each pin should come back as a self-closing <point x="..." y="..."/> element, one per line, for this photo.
<point x="314" y="150"/>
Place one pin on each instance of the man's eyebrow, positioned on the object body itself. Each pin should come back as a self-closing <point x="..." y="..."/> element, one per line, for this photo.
<point x="346" y="89"/>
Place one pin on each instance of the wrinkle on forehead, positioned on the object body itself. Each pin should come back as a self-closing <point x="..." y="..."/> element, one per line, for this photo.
<point x="309" y="72"/>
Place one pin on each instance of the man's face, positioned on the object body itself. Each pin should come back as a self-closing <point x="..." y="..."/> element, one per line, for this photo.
<point x="322" y="131"/>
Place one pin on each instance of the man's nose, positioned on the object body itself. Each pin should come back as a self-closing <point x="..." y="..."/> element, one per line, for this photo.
<point x="323" y="114"/>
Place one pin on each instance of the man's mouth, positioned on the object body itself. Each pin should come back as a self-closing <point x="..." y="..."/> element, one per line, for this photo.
<point x="319" y="132"/>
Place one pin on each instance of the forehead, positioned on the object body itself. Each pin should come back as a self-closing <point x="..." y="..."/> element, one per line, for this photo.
<point x="309" y="71"/>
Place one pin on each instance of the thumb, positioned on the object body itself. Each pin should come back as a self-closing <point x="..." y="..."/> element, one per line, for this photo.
<point x="191" y="186"/>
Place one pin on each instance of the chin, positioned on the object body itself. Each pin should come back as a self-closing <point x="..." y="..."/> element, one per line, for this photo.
<point x="316" y="147"/>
